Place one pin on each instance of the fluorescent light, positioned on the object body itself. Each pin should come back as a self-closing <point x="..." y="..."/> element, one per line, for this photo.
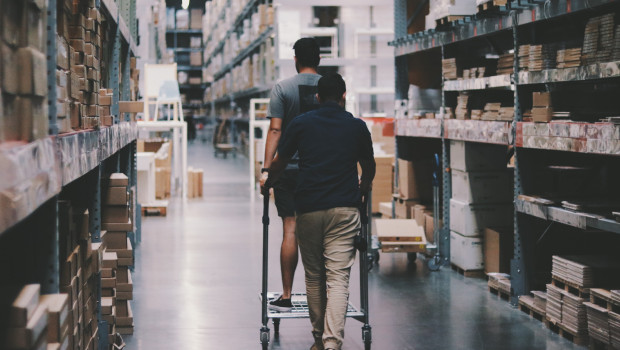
<point x="185" y="4"/>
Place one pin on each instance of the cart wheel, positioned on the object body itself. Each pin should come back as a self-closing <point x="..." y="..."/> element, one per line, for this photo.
<point x="276" y="326"/>
<point x="264" y="337"/>
<point x="367" y="336"/>
<point x="434" y="263"/>
<point x="412" y="257"/>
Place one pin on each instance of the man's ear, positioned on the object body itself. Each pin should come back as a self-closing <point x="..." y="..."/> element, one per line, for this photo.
<point x="318" y="99"/>
<point x="344" y="96"/>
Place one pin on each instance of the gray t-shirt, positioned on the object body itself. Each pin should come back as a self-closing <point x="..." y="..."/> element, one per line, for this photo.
<point x="292" y="97"/>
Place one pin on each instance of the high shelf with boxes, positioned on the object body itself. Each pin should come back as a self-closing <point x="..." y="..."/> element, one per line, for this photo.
<point x="66" y="68"/>
<point x="184" y="39"/>
<point x="249" y="49"/>
<point x="547" y="109"/>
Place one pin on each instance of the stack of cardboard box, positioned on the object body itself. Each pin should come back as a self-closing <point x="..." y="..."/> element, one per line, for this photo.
<point x="481" y="197"/>
<point x="194" y="182"/>
<point x="79" y="67"/>
<point x="118" y="257"/>
<point x="23" y="72"/>
<point x="542" y="110"/>
<point x="27" y="321"/>
<point x="57" y="320"/>
<point x="382" y="185"/>
<point x="134" y="86"/>
<point x="78" y="274"/>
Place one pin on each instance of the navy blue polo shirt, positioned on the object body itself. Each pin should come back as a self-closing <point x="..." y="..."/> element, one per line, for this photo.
<point x="330" y="142"/>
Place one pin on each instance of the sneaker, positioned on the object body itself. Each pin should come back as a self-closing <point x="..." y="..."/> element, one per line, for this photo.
<point x="281" y="305"/>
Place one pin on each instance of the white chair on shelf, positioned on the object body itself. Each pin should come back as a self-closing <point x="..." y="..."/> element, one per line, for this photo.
<point x="170" y="97"/>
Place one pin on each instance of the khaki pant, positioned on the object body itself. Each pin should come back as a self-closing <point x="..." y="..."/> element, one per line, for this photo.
<point x="326" y="244"/>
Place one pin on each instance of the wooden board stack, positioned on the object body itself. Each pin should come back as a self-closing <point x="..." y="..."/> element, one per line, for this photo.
<point x="616" y="51"/>
<point x="449" y="69"/>
<point x="475" y="72"/>
<point x="505" y="64"/>
<point x="569" y="58"/>
<point x="462" y="112"/>
<point x="587" y="271"/>
<point x="614" y="319"/>
<point x="598" y="42"/>
<point x="476" y="114"/>
<point x="541" y="57"/>
<point x="524" y="57"/>
<point x="506" y="114"/>
<point x="491" y="111"/>
<point x="499" y="281"/>
<point x="540" y="299"/>
<point x="554" y="303"/>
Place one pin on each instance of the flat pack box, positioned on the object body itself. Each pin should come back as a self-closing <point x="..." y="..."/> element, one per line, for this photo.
<point x="542" y="114"/>
<point x="27" y="337"/>
<point x="57" y="314"/>
<point x="471" y="156"/>
<point x="115" y="240"/>
<point x="429" y="227"/>
<point x="116" y="196"/>
<point x="130" y="106"/>
<point x="195" y="19"/>
<point x="471" y="220"/>
<point x="498" y="249"/>
<point x="482" y="187"/>
<point x="195" y="59"/>
<point x="541" y="99"/>
<point x="418" y="214"/>
<point x="466" y="252"/>
<point x="415" y="179"/>
<point x="24" y="306"/>
<point x="118" y="180"/>
<point x="402" y="208"/>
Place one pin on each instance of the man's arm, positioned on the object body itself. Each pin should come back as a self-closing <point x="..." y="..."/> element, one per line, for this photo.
<point x="273" y="138"/>
<point x="366" y="160"/>
<point x="287" y="149"/>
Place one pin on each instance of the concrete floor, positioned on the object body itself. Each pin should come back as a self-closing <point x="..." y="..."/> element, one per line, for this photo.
<point x="198" y="275"/>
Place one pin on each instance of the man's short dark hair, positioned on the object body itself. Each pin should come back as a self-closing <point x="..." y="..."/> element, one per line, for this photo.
<point x="331" y="87"/>
<point x="307" y="52"/>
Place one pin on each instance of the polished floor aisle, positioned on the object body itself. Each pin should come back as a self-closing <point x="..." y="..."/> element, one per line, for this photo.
<point x="197" y="280"/>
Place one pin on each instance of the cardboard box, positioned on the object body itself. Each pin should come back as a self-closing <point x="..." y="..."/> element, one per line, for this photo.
<point x="541" y="99"/>
<point x="34" y="27"/>
<point x="57" y="314"/>
<point x="114" y="214"/>
<point x="108" y="282"/>
<point x="471" y="156"/>
<point x="472" y="219"/>
<point x="542" y="114"/>
<point x="195" y="59"/>
<point x="385" y="209"/>
<point x="115" y="240"/>
<point x="10" y="70"/>
<point x="12" y="13"/>
<point x="402" y="207"/>
<point x="466" y="252"/>
<point x="498" y="249"/>
<point x="122" y="275"/>
<point x="107" y="273"/>
<point x="107" y="303"/>
<point x="124" y="295"/>
<point x="482" y="187"/>
<point x="24" y="306"/>
<point x="27" y="337"/>
<point x="116" y="196"/>
<point x="126" y="286"/>
<point x="429" y="227"/>
<point x="130" y="106"/>
<point x="110" y="260"/>
<point x="114" y="226"/>
<point x="124" y="253"/>
<point x="33" y="112"/>
<point x="415" y="179"/>
<point x="118" y="180"/>
<point x="126" y="319"/>
<point x="418" y="214"/>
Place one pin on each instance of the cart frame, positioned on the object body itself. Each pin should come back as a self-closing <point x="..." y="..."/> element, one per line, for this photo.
<point x="360" y="314"/>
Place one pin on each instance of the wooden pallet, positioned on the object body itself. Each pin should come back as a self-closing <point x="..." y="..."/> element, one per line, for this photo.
<point x="468" y="273"/>
<point x="526" y="304"/>
<point x="501" y="294"/>
<point x="602" y="298"/>
<point x="154" y="211"/>
<point x="571" y="287"/>
<point x="444" y="21"/>
<point x="558" y="328"/>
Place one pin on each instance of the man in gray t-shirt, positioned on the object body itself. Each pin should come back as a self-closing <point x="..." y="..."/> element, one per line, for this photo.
<point x="290" y="98"/>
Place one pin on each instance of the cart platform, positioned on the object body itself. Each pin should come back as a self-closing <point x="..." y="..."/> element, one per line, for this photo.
<point x="300" y="307"/>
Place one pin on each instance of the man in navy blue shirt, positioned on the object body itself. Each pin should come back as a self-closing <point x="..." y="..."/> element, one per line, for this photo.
<point x="330" y="143"/>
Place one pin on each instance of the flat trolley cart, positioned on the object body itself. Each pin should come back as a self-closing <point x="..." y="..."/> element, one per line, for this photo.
<point x="300" y="304"/>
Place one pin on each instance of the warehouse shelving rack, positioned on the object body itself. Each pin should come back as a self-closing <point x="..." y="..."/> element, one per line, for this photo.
<point x="520" y="21"/>
<point x="39" y="175"/>
<point x="195" y="91"/>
